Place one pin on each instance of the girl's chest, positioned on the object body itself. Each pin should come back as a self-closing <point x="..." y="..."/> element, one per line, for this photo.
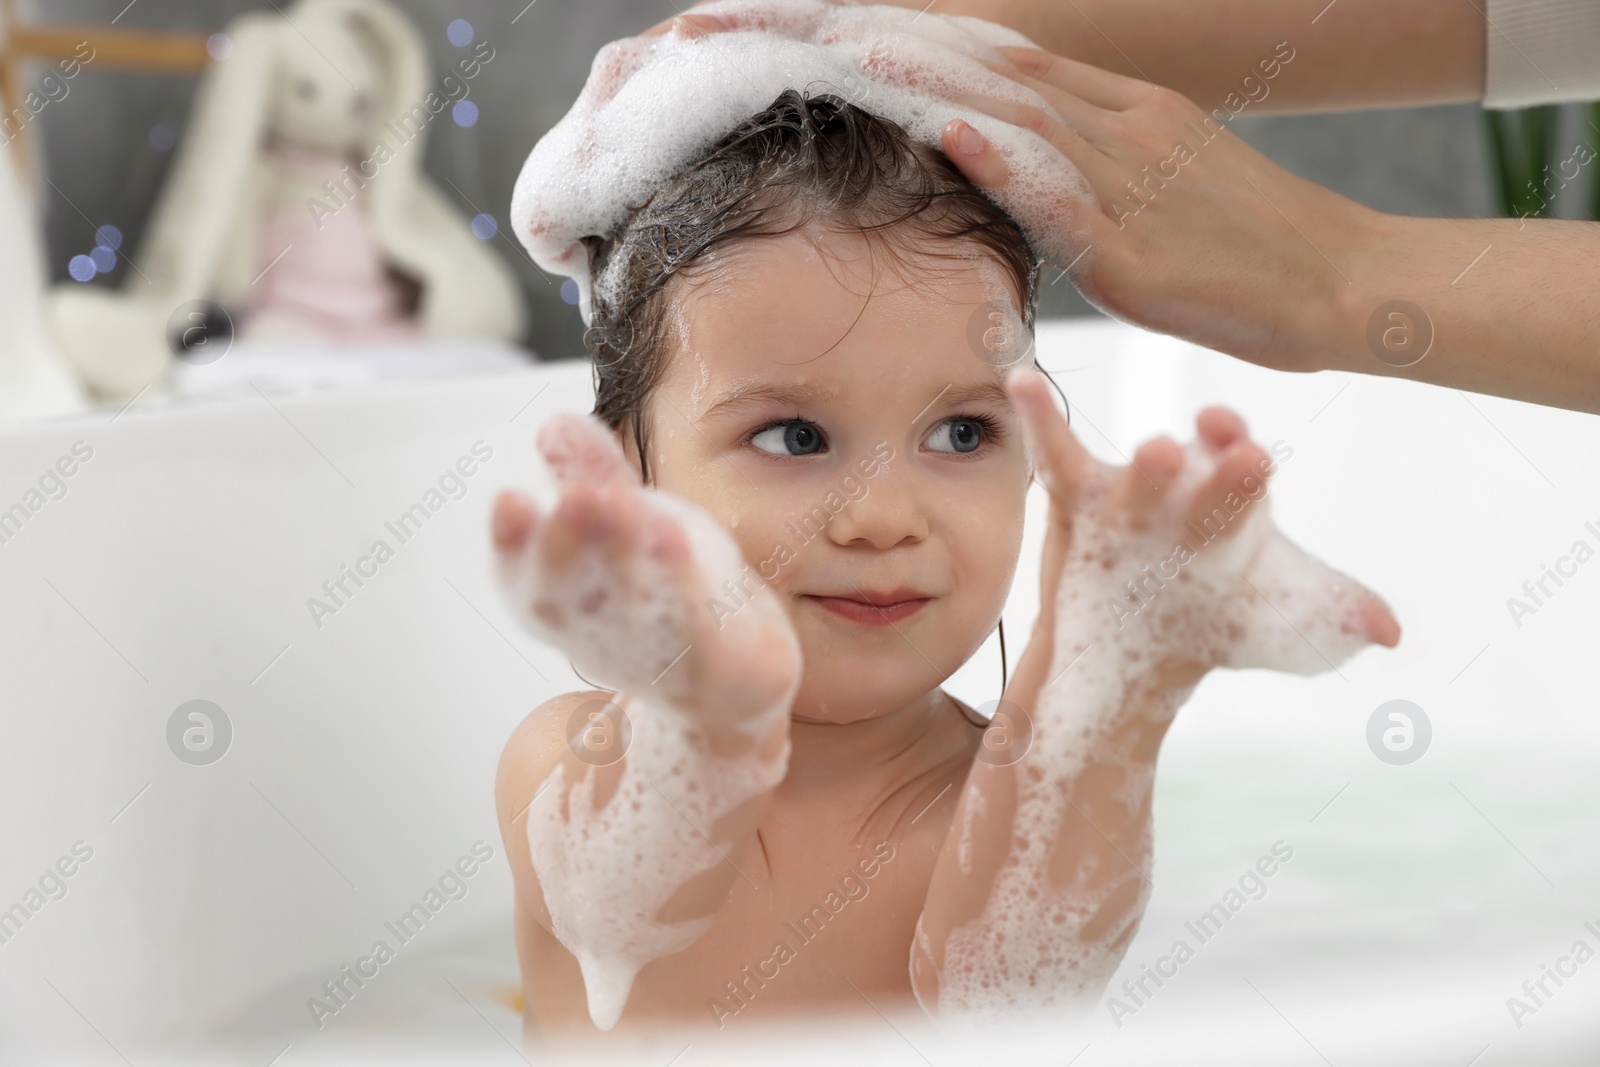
<point x="821" y="914"/>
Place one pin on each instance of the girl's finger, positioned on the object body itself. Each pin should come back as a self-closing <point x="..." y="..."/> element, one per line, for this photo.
<point x="573" y="524"/>
<point x="665" y="539"/>
<point x="1103" y="89"/>
<point x="580" y="448"/>
<point x="620" y="511"/>
<point x="1155" y="467"/>
<point x="1059" y="460"/>
<point x="1219" y="427"/>
<point x="1381" y="624"/>
<point x="1236" y="466"/>
<point x="513" y="522"/>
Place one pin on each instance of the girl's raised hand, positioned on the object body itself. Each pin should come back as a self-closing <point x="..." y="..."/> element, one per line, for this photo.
<point x="621" y="577"/>
<point x="1153" y="574"/>
<point x="1173" y="566"/>
<point x="611" y="856"/>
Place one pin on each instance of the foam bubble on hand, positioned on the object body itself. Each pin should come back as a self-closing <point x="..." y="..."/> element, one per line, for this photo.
<point x="608" y="872"/>
<point x="622" y="622"/>
<point x="637" y="622"/>
<point x="1251" y="598"/>
<point x="652" y="105"/>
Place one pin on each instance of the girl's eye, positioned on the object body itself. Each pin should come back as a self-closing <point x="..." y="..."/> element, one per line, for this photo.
<point x="794" y="437"/>
<point x="964" y="433"/>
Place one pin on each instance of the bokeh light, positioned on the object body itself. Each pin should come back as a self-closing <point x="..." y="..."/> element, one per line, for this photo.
<point x="465" y="113"/>
<point x="569" y="291"/>
<point x="109" y="236"/>
<point x="484" y="227"/>
<point x="219" y="46"/>
<point x="81" y="268"/>
<point x="459" y="32"/>
<point x="103" y="258"/>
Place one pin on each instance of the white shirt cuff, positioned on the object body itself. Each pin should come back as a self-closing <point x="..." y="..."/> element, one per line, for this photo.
<point x="1541" y="52"/>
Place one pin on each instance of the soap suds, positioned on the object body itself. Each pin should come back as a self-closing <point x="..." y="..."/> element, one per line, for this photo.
<point x="1027" y="949"/>
<point x="608" y="872"/>
<point x="652" y="105"/>
<point x="975" y="809"/>
<point x="697" y="392"/>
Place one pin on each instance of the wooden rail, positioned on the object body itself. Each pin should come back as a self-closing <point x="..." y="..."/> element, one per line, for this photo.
<point x="145" y="51"/>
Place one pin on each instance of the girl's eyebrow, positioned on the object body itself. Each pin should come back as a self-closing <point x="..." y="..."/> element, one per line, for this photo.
<point x="761" y="392"/>
<point x="985" y="392"/>
<point x="988" y="392"/>
<point x="800" y="395"/>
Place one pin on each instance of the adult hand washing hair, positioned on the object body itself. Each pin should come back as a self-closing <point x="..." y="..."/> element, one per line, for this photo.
<point x="1187" y="230"/>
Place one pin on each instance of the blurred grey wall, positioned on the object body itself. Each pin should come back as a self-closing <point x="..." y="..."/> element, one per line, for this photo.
<point x="106" y="147"/>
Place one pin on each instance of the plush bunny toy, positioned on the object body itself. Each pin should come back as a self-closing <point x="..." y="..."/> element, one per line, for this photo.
<point x="33" y="379"/>
<point x="298" y="204"/>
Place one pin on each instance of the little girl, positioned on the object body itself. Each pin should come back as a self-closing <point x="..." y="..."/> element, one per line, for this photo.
<point x="796" y="511"/>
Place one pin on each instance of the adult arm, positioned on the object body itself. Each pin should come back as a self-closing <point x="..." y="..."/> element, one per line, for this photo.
<point x="1353" y="53"/>
<point x="1194" y="233"/>
<point x="1217" y="244"/>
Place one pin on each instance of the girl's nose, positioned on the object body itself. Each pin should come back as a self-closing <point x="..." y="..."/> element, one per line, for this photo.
<point x="886" y="513"/>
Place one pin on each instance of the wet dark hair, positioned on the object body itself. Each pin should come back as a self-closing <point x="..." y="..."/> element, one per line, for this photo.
<point x="802" y="159"/>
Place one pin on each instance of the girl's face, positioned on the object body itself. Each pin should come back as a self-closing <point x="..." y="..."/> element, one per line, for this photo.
<point x="845" y="427"/>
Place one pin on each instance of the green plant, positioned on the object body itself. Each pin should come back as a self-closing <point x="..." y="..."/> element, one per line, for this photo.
<point x="1524" y="151"/>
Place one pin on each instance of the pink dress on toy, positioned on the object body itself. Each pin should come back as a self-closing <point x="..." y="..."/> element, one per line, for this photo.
<point x="322" y="273"/>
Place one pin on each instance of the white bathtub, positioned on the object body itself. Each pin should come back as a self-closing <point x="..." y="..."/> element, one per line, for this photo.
<point x="219" y="897"/>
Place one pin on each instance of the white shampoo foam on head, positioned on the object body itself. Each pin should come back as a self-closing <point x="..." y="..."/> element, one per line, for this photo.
<point x="653" y="105"/>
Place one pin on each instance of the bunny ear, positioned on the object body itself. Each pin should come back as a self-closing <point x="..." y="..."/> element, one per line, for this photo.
<point x="197" y="218"/>
<point x="402" y="57"/>
<point x="467" y="290"/>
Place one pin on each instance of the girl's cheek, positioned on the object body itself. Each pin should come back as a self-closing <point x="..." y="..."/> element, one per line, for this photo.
<point x="759" y="545"/>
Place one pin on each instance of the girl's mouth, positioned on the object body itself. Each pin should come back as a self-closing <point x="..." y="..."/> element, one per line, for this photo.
<point x="872" y="615"/>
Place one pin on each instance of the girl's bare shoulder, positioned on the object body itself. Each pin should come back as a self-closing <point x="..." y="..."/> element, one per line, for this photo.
<point x="536" y="746"/>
